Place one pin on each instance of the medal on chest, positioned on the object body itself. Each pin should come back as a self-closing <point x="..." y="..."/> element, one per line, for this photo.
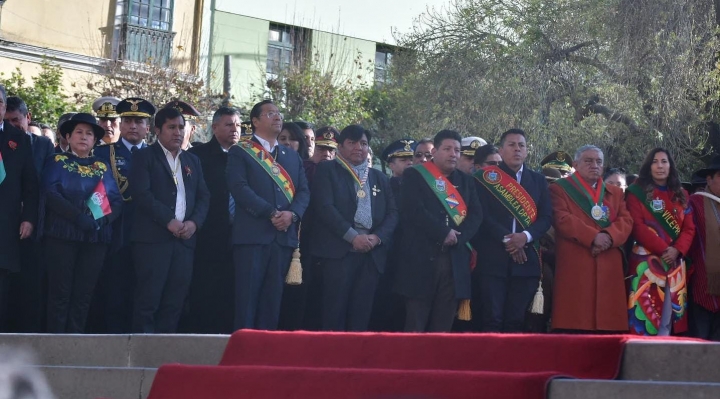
<point x="597" y="212"/>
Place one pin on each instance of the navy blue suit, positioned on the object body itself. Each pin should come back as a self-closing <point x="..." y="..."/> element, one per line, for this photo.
<point x="349" y="278"/>
<point x="115" y="289"/>
<point x="262" y="253"/>
<point x="163" y="262"/>
<point x="507" y="288"/>
<point x="42" y="148"/>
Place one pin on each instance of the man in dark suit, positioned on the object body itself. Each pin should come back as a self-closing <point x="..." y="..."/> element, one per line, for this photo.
<point x="211" y="291"/>
<point x="267" y="182"/>
<point x="171" y="205"/>
<point x="509" y="266"/>
<point x="439" y="212"/>
<point x="18" y="200"/>
<point x="62" y="144"/>
<point x="115" y="289"/>
<point x="357" y="216"/>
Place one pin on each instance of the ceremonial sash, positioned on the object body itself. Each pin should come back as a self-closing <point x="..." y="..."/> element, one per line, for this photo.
<point x="360" y="182"/>
<point x="510" y="193"/>
<point x="273" y="169"/>
<point x="444" y="190"/>
<point x="447" y="194"/>
<point x="663" y="216"/>
<point x="586" y="199"/>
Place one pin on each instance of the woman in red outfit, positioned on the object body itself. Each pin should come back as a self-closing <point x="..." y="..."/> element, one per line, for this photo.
<point x="663" y="231"/>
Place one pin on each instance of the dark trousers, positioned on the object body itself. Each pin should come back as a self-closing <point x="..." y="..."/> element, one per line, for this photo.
<point x="436" y="312"/>
<point x="260" y="272"/>
<point x="349" y="287"/>
<point x="505" y="301"/>
<point x="112" y="308"/>
<point x="28" y="297"/>
<point x="704" y="323"/>
<point x="73" y="268"/>
<point x="4" y="299"/>
<point x="163" y="273"/>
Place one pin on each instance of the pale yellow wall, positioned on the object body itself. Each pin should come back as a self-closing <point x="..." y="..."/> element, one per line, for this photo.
<point x="77" y="26"/>
<point x="338" y="54"/>
<point x="183" y="20"/>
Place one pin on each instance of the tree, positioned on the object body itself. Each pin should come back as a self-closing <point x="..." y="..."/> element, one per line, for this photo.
<point x="45" y="98"/>
<point x="627" y="75"/>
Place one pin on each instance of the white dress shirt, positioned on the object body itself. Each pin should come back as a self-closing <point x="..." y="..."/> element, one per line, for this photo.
<point x="518" y="175"/>
<point x="176" y="169"/>
<point x="266" y="144"/>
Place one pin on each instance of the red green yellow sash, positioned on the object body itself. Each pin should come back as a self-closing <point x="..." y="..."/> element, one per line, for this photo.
<point x="274" y="169"/>
<point x="584" y="197"/>
<point x="662" y="214"/>
<point x="510" y="193"/>
<point x="448" y="195"/>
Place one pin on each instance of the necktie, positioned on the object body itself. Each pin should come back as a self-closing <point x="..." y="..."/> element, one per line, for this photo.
<point x="133" y="149"/>
<point x="231" y="208"/>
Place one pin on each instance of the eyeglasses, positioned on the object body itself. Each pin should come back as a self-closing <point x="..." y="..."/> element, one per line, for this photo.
<point x="491" y="163"/>
<point x="271" y="115"/>
<point x="423" y="155"/>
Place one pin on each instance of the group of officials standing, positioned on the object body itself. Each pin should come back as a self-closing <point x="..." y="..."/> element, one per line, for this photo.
<point x="205" y="237"/>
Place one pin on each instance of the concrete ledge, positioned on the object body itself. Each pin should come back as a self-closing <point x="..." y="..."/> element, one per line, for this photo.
<point x="119" y="350"/>
<point x="99" y="382"/>
<point x="603" y="389"/>
<point x="671" y="361"/>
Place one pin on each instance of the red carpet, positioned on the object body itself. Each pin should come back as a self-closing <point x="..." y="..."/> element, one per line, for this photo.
<point x="260" y="382"/>
<point x="580" y="356"/>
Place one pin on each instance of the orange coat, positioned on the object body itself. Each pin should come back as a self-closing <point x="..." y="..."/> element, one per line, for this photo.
<point x="589" y="293"/>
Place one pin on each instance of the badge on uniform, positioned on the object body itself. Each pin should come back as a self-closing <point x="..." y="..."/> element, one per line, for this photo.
<point x="658" y="205"/>
<point x="491" y="177"/>
<point x="440" y="185"/>
<point x="119" y="161"/>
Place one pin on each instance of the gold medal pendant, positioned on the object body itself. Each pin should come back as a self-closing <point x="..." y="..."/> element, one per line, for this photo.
<point x="361" y="193"/>
<point x="275" y="170"/>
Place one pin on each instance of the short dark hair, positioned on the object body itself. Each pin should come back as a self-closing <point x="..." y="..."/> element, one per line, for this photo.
<point x="33" y="123"/>
<point x="426" y="140"/>
<point x="224" y="111"/>
<point x="509" y="132"/>
<point x="167" y="113"/>
<point x="355" y="133"/>
<point x="444" y="135"/>
<point x="305" y="125"/>
<point x="614" y="171"/>
<point x="296" y="134"/>
<point x="15" y="103"/>
<point x="483" y="152"/>
<point x="45" y="126"/>
<point x="257" y="109"/>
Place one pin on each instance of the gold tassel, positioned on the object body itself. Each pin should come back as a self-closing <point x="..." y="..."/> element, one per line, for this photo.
<point x="538" y="305"/>
<point x="294" y="276"/>
<point x="464" y="311"/>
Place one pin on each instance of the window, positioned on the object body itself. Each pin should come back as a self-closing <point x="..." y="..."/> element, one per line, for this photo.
<point x="281" y="45"/>
<point x="153" y="14"/>
<point x="144" y="31"/>
<point x="383" y="59"/>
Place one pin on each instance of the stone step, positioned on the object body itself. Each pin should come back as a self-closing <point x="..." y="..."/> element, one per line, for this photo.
<point x="149" y="351"/>
<point x="603" y="389"/>
<point x="671" y="361"/>
<point x="99" y="382"/>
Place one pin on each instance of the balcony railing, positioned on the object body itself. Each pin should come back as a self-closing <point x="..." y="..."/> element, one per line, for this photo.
<point x="146" y="45"/>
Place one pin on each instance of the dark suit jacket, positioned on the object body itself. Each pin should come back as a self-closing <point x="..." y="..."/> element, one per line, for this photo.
<point x="492" y="257"/>
<point x="18" y="193"/>
<point x="122" y="163"/>
<point x="257" y="196"/>
<point x="425" y="225"/>
<point x="154" y="192"/>
<point x="334" y="198"/>
<point x="214" y="238"/>
<point x="42" y="148"/>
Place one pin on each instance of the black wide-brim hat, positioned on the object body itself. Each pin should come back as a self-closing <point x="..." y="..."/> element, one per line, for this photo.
<point x="710" y="169"/>
<point x="69" y="125"/>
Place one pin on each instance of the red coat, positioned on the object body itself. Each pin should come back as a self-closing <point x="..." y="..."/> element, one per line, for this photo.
<point x="589" y="292"/>
<point x="647" y="237"/>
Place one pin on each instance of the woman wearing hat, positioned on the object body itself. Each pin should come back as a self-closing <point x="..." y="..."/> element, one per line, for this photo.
<point x="705" y="254"/>
<point x="79" y="200"/>
<point x="663" y="230"/>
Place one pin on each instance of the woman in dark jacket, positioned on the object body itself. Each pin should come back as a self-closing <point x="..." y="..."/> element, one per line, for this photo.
<point x="79" y="200"/>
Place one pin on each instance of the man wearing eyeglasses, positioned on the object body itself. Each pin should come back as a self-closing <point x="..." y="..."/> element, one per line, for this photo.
<point x="423" y="151"/>
<point x="268" y="184"/>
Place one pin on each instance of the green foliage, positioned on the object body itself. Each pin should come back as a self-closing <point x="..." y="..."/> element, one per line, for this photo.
<point x="45" y="98"/>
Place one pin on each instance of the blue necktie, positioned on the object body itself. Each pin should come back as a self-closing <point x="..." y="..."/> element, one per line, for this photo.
<point x="231" y="208"/>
